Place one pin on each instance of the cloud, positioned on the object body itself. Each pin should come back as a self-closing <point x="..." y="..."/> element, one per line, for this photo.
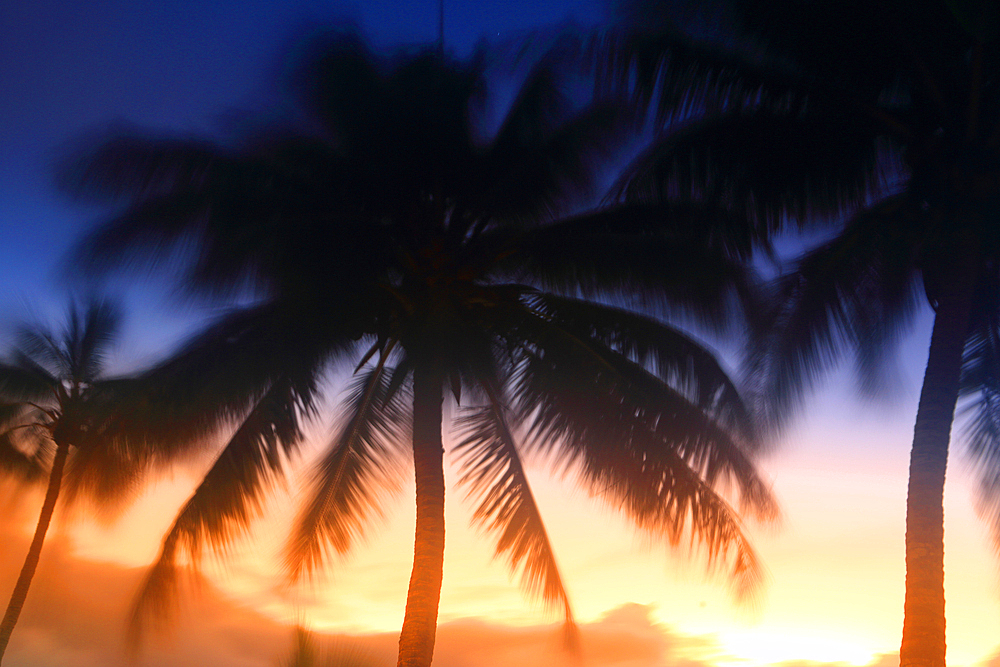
<point x="886" y="660"/>
<point x="76" y="608"/>
<point x="625" y="637"/>
<point x="994" y="661"/>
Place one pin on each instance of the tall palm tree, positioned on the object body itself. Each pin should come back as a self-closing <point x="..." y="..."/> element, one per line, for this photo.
<point x="51" y="386"/>
<point x="389" y="231"/>
<point x="879" y="121"/>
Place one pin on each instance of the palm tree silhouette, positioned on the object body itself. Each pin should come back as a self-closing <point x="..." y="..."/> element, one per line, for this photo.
<point x="390" y="235"/>
<point x="55" y="403"/>
<point x="878" y="120"/>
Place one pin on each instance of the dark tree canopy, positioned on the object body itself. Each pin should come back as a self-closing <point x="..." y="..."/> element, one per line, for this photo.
<point x="387" y="233"/>
<point x="881" y="122"/>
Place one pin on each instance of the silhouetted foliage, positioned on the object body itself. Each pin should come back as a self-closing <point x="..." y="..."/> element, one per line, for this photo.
<point x="56" y="410"/>
<point x="880" y="121"/>
<point x="383" y="233"/>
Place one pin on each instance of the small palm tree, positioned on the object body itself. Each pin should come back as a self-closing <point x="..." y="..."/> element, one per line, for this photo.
<point x="51" y="387"/>
<point x="389" y="235"/>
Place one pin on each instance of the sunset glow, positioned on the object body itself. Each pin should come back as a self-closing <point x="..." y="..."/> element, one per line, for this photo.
<point x="835" y="561"/>
<point x="839" y="469"/>
<point x="835" y="564"/>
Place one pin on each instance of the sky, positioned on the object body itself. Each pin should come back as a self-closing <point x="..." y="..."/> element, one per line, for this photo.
<point x="835" y="561"/>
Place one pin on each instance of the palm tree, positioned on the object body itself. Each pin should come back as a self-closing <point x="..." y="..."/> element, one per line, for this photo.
<point x="879" y="121"/>
<point x="51" y="388"/>
<point x="388" y="233"/>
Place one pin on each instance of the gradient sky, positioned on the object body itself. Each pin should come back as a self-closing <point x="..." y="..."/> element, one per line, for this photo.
<point x="836" y="561"/>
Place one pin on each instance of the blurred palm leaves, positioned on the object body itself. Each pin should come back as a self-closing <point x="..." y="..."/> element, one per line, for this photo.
<point x="57" y="413"/>
<point x="878" y="122"/>
<point x="383" y="232"/>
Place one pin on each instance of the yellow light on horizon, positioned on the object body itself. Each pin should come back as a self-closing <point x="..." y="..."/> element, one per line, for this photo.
<point x="753" y="647"/>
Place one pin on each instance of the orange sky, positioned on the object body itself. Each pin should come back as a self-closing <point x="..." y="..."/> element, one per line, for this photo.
<point x="835" y="595"/>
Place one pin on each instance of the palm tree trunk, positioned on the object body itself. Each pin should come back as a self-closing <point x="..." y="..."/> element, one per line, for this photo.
<point x="923" y="642"/>
<point x="416" y="641"/>
<point x="34" y="551"/>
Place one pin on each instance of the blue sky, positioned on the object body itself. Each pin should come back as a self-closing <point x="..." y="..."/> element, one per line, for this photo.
<point x="68" y="68"/>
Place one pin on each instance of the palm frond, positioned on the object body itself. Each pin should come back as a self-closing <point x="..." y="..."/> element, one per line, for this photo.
<point x="222" y="211"/>
<point x="666" y="497"/>
<point x="576" y="398"/>
<point x="628" y="432"/>
<point x="543" y="155"/>
<point x="219" y="233"/>
<point x="347" y="483"/>
<point x="77" y="354"/>
<point x="218" y="375"/>
<point x="18" y="427"/>
<point x="22" y="379"/>
<point x="130" y="165"/>
<point x="641" y="254"/>
<point x="232" y="491"/>
<point x="808" y="176"/>
<point x="230" y="495"/>
<point x="988" y="503"/>
<point x="668" y="487"/>
<point x="493" y="472"/>
<point x="13" y="414"/>
<point x="980" y="393"/>
<point x="536" y="181"/>
<point x="113" y="451"/>
<point x="653" y="63"/>
<point x="106" y="474"/>
<point x="90" y="334"/>
<point x="142" y="236"/>
<point x="858" y="290"/>
<point x="44" y="350"/>
<point x="225" y="205"/>
<point x="155" y="604"/>
<point x="541" y="106"/>
<point x="674" y="357"/>
<point x="16" y="462"/>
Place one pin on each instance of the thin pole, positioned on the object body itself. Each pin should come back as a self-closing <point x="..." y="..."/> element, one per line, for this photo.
<point x="441" y="26"/>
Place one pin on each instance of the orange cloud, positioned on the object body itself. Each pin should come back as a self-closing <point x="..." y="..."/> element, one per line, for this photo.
<point x="625" y="637"/>
<point x="75" y="612"/>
